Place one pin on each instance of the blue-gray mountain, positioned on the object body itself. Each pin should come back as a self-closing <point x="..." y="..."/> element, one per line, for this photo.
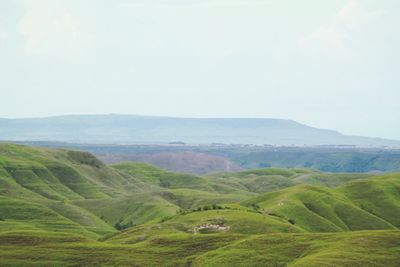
<point x="147" y="129"/>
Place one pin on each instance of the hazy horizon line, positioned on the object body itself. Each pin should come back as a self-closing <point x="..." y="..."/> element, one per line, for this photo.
<point x="192" y="117"/>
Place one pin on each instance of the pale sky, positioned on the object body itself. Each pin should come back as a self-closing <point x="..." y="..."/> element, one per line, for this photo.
<point x="330" y="64"/>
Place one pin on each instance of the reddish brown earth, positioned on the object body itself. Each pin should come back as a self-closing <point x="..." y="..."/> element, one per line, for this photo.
<point x="188" y="162"/>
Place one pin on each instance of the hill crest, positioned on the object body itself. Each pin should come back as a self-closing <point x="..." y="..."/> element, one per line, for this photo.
<point x="115" y="128"/>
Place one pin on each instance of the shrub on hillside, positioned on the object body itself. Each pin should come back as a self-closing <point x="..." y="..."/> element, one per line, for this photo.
<point x="121" y="226"/>
<point x="165" y="184"/>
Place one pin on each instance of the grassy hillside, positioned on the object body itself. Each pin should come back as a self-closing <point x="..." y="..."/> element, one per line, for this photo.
<point x="358" y="205"/>
<point x="155" y="176"/>
<point x="366" y="248"/>
<point x="371" y="248"/>
<point x="379" y="196"/>
<point x="272" y="179"/>
<point x="67" y="208"/>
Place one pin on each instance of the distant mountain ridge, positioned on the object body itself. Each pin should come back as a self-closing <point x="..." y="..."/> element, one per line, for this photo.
<point x="116" y="128"/>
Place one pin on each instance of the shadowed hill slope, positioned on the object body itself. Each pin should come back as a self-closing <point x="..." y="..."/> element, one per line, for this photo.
<point x="365" y="204"/>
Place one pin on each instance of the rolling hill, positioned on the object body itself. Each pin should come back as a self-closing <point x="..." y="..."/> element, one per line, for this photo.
<point x="67" y="208"/>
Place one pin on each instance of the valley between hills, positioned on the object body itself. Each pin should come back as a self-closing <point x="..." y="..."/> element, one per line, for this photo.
<point x="63" y="207"/>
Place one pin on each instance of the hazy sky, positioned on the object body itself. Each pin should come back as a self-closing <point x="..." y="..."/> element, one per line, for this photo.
<point x="331" y="64"/>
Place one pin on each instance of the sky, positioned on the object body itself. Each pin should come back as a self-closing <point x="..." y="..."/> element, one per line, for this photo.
<point x="330" y="64"/>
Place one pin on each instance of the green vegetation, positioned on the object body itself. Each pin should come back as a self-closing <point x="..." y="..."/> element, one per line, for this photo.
<point x="67" y="208"/>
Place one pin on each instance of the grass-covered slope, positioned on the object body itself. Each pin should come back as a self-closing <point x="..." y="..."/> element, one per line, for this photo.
<point x="72" y="191"/>
<point x="67" y="208"/>
<point x="225" y="221"/>
<point x="272" y="179"/>
<point x="365" y="204"/>
<point x="57" y="174"/>
<point x="379" y="196"/>
<point x="155" y="176"/>
<point x="365" y="248"/>
<point x="85" y="194"/>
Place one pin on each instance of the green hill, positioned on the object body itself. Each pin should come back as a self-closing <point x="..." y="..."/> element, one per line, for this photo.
<point x="358" y="205"/>
<point x="155" y="176"/>
<point x="67" y="208"/>
<point x="368" y="248"/>
<point x="365" y="248"/>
